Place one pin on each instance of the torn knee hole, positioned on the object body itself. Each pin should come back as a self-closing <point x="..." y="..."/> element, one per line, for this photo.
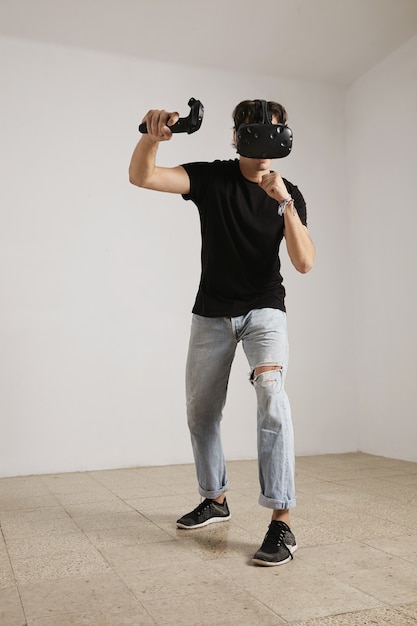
<point x="264" y="368"/>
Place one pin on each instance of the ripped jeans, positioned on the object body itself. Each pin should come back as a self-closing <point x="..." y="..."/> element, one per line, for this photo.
<point x="213" y="343"/>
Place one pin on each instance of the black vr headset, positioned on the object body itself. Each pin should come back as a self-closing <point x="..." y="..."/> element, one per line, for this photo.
<point x="263" y="139"/>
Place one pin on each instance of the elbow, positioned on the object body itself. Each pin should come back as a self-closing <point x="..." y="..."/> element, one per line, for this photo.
<point x="304" y="268"/>
<point x="135" y="180"/>
<point x="304" y="265"/>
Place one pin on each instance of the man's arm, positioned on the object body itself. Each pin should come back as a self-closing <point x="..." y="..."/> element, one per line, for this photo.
<point x="143" y="171"/>
<point x="299" y="244"/>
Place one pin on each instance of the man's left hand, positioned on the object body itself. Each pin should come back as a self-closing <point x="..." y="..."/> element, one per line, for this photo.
<point x="274" y="186"/>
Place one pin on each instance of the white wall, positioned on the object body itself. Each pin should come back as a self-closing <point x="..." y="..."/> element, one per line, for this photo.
<point x="382" y="156"/>
<point x="97" y="278"/>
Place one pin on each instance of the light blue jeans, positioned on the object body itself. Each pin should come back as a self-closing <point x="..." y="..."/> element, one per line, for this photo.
<point x="213" y="343"/>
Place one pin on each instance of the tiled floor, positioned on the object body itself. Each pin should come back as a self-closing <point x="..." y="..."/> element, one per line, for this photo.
<point x="101" y="549"/>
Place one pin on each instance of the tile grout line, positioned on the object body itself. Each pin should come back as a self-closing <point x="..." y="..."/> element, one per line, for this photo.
<point x="14" y="575"/>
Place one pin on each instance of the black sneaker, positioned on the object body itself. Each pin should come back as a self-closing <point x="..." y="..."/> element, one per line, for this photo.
<point x="278" y="546"/>
<point x="208" y="512"/>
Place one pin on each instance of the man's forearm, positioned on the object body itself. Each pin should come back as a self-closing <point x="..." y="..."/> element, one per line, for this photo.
<point x="299" y="244"/>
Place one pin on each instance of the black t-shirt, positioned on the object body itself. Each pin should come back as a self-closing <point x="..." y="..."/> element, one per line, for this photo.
<point x="241" y="234"/>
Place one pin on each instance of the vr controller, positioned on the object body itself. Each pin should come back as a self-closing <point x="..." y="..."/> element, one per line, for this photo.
<point x="188" y="124"/>
<point x="263" y="140"/>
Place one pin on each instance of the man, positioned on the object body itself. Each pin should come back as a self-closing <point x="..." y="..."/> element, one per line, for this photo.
<point x="245" y="211"/>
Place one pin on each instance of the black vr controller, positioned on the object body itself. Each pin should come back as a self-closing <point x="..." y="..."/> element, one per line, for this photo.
<point x="263" y="140"/>
<point x="188" y="124"/>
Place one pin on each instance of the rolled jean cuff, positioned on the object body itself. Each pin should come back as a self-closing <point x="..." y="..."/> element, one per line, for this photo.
<point x="269" y="503"/>
<point x="212" y="495"/>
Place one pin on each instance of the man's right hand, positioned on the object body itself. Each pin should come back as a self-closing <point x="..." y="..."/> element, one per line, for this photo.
<point x="158" y="123"/>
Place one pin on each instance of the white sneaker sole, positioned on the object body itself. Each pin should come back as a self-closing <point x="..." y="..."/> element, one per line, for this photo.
<point x="212" y="520"/>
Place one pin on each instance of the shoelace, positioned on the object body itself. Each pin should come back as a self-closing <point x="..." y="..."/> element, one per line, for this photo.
<point x="205" y="504"/>
<point x="277" y="540"/>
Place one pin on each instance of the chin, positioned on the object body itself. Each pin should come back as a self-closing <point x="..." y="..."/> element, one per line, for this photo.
<point x="264" y="162"/>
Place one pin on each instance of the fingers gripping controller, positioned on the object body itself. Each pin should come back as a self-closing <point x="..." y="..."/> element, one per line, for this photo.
<point x="189" y="124"/>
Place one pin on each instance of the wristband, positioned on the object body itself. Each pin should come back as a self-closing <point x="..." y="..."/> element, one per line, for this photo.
<point x="282" y="207"/>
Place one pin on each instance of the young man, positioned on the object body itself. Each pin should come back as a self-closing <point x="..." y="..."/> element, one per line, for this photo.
<point x="245" y="211"/>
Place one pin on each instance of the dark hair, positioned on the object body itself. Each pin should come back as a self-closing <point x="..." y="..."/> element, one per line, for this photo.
<point x="246" y="112"/>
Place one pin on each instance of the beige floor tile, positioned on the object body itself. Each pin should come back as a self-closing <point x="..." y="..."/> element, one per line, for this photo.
<point x="346" y="557"/>
<point x="335" y="472"/>
<point x="32" y="516"/>
<point x="7" y="578"/>
<point x="376" y="490"/>
<point x="408" y="479"/>
<point x="370" y="502"/>
<point x="92" y="595"/>
<point x="138" y="534"/>
<point x="97" y="508"/>
<point x="147" y="482"/>
<point x="164" y="520"/>
<point x="21" y="486"/>
<point x="6" y="573"/>
<point x="11" y="611"/>
<point x="111" y="519"/>
<point x="308" y="593"/>
<point x="409" y="610"/>
<point x="174" y="506"/>
<point x="395" y="584"/>
<point x="373" y="617"/>
<point x="75" y="482"/>
<point x="315" y="487"/>
<point x="35" y="523"/>
<point x="310" y="533"/>
<point x="406" y="516"/>
<point x="48" y="545"/>
<point x="315" y="509"/>
<point x="357" y="526"/>
<point x="223" y="608"/>
<point x="335" y="526"/>
<point x="61" y="565"/>
<point x="131" y="559"/>
<point x="17" y="503"/>
<point x="86" y="497"/>
<point x="138" y="617"/>
<point x="404" y="547"/>
<point x="176" y="580"/>
<point x="243" y="471"/>
<point x="248" y="514"/>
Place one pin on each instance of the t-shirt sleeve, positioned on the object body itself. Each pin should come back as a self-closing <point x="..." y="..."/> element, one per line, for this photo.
<point x="198" y="173"/>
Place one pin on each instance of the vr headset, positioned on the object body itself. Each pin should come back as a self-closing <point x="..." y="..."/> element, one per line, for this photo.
<point x="263" y="139"/>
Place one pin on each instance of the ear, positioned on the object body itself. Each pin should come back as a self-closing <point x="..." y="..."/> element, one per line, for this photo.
<point x="234" y="138"/>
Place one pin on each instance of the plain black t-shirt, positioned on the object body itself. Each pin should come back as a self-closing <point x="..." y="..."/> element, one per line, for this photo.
<point x="241" y="234"/>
